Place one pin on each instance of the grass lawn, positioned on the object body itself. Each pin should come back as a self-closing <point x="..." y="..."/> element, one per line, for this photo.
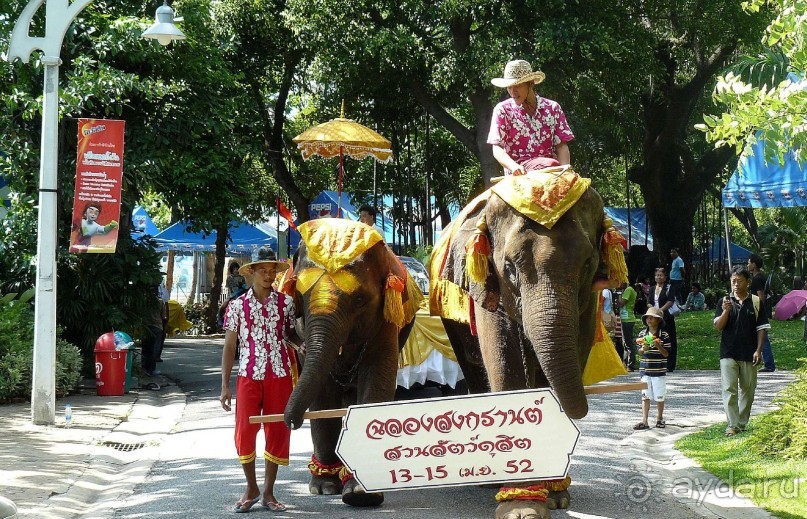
<point x="699" y="342"/>
<point x="778" y="485"/>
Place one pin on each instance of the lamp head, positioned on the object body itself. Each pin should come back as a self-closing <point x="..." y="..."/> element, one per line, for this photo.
<point x="164" y="30"/>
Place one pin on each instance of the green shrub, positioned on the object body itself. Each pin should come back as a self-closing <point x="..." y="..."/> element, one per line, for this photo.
<point x="195" y="314"/>
<point x="783" y="433"/>
<point x="99" y="293"/>
<point x="16" y="354"/>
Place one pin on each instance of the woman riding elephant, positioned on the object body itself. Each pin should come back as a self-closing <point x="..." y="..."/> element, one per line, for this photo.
<point x="515" y="278"/>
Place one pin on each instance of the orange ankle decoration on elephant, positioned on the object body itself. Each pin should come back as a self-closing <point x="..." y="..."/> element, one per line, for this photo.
<point x="345" y="474"/>
<point x="538" y="492"/>
<point x="318" y="468"/>
<point x="530" y="493"/>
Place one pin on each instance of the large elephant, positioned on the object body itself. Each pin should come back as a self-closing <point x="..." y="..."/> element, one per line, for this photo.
<point x="357" y="303"/>
<point x="521" y="266"/>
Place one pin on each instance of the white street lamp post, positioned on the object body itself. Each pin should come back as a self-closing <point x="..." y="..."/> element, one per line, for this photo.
<point x="59" y="14"/>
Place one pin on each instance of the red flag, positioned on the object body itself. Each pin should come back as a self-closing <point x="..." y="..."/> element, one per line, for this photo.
<point x="285" y="213"/>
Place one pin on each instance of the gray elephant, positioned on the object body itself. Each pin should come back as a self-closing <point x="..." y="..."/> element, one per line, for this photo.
<point x="521" y="267"/>
<point x="357" y="303"/>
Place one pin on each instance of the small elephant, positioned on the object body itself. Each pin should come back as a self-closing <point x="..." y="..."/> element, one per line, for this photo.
<point x="357" y="303"/>
<point x="515" y="278"/>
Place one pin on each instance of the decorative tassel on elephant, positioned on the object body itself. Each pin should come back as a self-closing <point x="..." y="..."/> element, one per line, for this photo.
<point x="515" y="278"/>
<point x="358" y="304"/>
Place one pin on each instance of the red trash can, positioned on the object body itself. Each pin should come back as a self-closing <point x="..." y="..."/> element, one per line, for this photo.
<point x="110" y="366"/>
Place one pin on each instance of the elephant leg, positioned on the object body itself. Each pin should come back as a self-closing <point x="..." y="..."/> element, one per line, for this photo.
<point x="500" y="340"/>
<point x="556" y="500"/>
<point x="375" y="383"/>
<point x="469" y="356"/>
<point x="324" y="435"/>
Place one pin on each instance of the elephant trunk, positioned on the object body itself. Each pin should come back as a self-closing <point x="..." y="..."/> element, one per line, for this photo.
<point x="555" y="336"/>
<point x="323" y="338"/>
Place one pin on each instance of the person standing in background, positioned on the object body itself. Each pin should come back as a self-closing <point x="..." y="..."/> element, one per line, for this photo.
<point x="742" y="330"/>
<point x="759" y="284"/>
<point x="677" y="275"/>
<point x="626" y="302"/>
<point x="662" y="296"/>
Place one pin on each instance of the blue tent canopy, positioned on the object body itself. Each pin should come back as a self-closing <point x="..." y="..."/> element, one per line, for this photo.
<point x="757" y="184"/>
<point x="142" y="224"/>
<point x="243" y="238"/>
<point x="638" y="229"/>
<point x="717" y="252"/>
<point x="326" y="204"/>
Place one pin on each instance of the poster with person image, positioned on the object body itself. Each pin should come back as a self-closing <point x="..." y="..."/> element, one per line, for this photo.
<point x="99" y="171"/>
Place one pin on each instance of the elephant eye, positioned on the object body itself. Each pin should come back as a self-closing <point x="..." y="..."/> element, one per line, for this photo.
<point x="359" y="301"/>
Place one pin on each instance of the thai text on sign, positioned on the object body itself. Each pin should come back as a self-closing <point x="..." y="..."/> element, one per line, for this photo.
<point x="465" y="440"/>
<point x="99" y="172"/>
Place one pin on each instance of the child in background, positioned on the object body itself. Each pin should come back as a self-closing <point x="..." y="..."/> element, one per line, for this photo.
<point x="654" y="346"/>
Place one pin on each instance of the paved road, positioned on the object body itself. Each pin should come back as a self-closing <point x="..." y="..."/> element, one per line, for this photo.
<point x="617" y="473"/>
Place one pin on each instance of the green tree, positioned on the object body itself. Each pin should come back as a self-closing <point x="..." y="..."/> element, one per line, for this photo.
<point x="775" y="106"/>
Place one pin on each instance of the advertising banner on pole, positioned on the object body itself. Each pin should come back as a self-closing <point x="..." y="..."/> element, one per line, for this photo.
<point x="99" y="172"/>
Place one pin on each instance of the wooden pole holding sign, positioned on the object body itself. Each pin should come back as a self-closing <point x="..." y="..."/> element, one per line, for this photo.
<point x="338" y="413"/>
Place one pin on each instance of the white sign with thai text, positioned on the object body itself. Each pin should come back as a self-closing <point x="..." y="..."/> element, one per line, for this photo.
<point x="453" y="441"/>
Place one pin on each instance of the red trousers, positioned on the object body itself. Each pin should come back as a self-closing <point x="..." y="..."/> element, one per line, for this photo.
<point x="262" y="397"/>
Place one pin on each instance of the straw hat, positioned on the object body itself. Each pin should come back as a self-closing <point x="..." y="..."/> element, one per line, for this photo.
<point x="264" y="254"/>
<point x="516" y="72"/>
<point x="654" y="312"/>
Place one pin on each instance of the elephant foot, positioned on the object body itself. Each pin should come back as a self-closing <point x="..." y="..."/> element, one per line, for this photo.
<point x="521" y="509"/>
<point x="324" y="485"/>
<point x="353" y="494"/>
<point x="556" y="500"/>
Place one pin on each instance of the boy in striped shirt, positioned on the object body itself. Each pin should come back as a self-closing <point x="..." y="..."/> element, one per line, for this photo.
<point x="654" y="347"/>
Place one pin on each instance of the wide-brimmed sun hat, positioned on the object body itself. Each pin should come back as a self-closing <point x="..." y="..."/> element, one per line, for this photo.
<point x="263" y="254"/>
<point x="654" y="312"/>
<point x="517" y="71"/>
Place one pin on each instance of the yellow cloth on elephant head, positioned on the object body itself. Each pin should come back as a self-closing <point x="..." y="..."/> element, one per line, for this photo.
<point x="334" y="242"/>
<point x="544" y="195"/>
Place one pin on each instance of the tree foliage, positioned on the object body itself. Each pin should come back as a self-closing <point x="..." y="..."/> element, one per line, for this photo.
<point x="776" y="106"/>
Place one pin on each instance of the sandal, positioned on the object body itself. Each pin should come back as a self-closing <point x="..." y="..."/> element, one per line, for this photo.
<point x="274" y="506"/>
<point x="245" y="506"/>
<point x="661" y="424"/>
<point x="730" y="432"/>
<point x="640" y="426"/>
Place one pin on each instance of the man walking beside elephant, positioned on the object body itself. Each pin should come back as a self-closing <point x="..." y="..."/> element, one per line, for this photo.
<point x="259" y="323"/>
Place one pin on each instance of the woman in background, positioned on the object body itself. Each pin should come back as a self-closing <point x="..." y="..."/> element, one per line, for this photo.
<point x="662" y="296"/>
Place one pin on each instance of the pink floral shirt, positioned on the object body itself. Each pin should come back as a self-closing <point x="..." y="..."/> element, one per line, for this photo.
<point x="524" y="136"/>
<point x="261" y="328"/>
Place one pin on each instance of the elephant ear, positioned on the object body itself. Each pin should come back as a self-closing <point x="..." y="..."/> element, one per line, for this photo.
<point x="471" y="240"/>
<point x="396" y="293"/>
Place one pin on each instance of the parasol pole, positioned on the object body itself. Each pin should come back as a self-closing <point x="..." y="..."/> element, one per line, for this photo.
<point x="339" y="182"/>
<point x="728" y="243"/>
<point x="341" y="170"/>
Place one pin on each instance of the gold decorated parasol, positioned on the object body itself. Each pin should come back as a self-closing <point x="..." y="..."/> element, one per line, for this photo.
<point x="340" y="137"/>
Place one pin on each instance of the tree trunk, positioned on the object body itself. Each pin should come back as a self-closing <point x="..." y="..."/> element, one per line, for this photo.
<point x="212" y="310"/>
<point x="169" y="276"/>
<point x="194" y="279"/>
<point x="671" y="179"/>
<point x="272" y="126"/>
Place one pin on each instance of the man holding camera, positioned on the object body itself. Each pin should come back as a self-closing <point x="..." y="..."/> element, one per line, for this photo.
<point x="743" y="326"/>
